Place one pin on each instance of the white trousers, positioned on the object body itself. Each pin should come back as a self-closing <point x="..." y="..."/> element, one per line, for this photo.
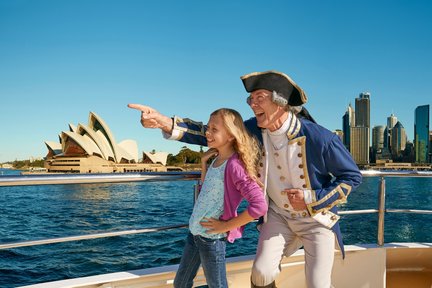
<point x="282" y="236"/>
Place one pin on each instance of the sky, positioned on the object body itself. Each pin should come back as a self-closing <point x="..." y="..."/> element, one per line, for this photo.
<point x="59" y="60"/>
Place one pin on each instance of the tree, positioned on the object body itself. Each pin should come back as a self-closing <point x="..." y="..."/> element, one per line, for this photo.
<point x="185" y="156"/>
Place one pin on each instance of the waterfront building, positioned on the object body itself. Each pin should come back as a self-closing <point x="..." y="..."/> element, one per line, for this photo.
<point x="408" y="153"/>
<point x="421" y="134"/>
<point x="385" y="152"/>
<point x="377" y="142"/>
<point x="360" y="133"/>
<point x="384" y="156"/>
<point x="348" y="121"/>
<point x="92" y="148"/>
<point x="155" y="157"/>
<point x="430" y="146"/>
<point x="360" y="145"/>
<point x="399" y="140"/>
<point x="362" y="110"/>
<point x="391" y="122"/>
<point x="339" y="133"/>
<point x="386" y="138"/>
<point x="6" y="166"/>
<point x="378" y="137"/>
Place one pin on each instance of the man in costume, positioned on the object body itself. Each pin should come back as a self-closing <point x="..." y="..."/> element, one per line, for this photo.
<point x="306" y="171"/>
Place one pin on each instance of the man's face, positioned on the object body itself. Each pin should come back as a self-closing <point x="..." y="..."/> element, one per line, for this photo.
<point x="266" y="112"/>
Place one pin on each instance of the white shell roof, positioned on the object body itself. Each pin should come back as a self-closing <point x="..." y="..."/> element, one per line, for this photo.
<point x="96" y="138"/>
<point x="157" y="157"/>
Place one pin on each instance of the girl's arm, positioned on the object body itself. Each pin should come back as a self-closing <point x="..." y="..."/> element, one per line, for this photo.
<point x="204" y="158"/>
<point x="217" y="226"/>
<point x="203" y="170"/>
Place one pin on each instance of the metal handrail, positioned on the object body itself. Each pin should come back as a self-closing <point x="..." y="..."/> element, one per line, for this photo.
<point x="408" y="211"/>
<point x="89" y="236"/>
<point x="381" y="212"/>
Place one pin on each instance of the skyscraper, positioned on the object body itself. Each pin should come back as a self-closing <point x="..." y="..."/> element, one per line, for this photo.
<point x="430" y="146"/>
<point x="377" y="143"/>
<point x="360" y="134"/>
<point x="421" y="134"/>
<point x="362" y="110"/>
<point x="360" y="144"/>
<point x="399" y="140"/>
<point x="348" y="121"/>
<point x="378" y="138"/>
<point x="391" y="122"/>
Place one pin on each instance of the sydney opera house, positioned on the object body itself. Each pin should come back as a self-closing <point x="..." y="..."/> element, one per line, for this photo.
<point x="92" y="148"/>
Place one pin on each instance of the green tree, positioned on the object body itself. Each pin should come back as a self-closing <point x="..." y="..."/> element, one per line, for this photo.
<point x="185" y="156"/>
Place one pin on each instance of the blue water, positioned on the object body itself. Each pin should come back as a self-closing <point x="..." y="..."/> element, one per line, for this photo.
<point x="48" y="211"/>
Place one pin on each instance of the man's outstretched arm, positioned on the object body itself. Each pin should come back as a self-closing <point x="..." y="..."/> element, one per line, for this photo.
<point x="151" y="118"/>
<point x="176" y="128"/>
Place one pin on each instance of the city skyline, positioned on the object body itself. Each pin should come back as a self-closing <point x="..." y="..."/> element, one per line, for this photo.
<point x="64" y="59"/>
<point x="196" y="148"/>
<point x="390" y="141"/>
<point x="386" y="120"/>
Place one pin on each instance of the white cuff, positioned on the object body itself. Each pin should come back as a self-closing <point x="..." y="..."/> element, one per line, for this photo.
<point x="307" y="194"/>
<point x="175" y="134"/>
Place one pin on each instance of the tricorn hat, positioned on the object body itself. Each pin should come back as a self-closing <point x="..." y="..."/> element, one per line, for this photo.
<point x="275" y="81"/>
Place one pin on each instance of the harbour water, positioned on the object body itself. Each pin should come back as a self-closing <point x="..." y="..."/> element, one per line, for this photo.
<point x="49" y="211"/>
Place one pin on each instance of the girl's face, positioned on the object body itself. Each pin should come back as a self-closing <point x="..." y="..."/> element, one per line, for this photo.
<point x="217" y="135"/>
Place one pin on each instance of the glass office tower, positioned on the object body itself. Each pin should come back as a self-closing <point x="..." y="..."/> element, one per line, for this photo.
<point x="421" y="134"/>
<point x="360" y="134"/>
<point x="348" y="121"/>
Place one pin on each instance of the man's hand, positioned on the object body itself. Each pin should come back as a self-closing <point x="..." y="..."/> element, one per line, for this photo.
<point x="296" y="198"/>
<point x="151" y="118"/>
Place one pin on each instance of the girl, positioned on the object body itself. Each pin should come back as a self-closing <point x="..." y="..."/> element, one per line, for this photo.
<point x="231" y="176"/>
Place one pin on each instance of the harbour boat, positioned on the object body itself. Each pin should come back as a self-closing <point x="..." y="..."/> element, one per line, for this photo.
<point x="373" y="265"/>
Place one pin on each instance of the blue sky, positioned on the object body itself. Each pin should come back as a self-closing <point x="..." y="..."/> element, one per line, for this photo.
<point x="59" y="60"/>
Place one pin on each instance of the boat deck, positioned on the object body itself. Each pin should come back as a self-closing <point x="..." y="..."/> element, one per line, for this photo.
<point x="395" y="265"/>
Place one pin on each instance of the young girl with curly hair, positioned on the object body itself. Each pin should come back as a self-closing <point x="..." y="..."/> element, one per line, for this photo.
<point x="231" y="177"/>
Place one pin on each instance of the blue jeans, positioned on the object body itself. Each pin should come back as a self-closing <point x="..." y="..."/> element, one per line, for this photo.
<point x="210" y="253"/>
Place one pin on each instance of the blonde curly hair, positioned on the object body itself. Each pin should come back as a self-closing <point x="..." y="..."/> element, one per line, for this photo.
<point x="246" y="145"/>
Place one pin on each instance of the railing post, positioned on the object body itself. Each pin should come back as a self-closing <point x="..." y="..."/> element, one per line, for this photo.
<point x="381" y="211"/>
